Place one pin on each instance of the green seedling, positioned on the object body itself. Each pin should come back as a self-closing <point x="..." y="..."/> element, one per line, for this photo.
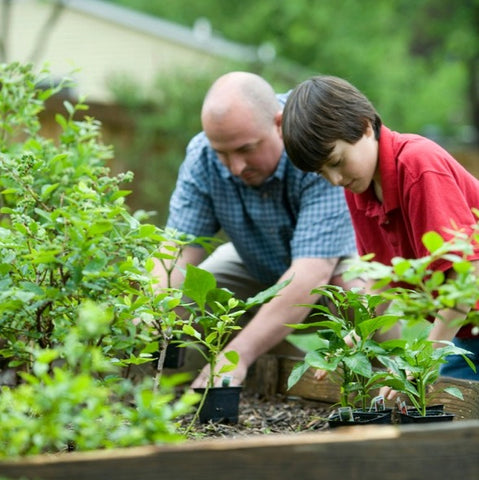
<point x="346" y="345"/>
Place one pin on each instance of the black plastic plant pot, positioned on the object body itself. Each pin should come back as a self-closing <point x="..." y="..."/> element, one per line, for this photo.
<point x="360" y="417"/>
<point x="174" y="356"/>
<point x="436" y="414"/>
<point x="221" y="404"/>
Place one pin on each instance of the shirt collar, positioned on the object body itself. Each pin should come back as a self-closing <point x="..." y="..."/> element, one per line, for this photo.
<point x="388" y="168"/>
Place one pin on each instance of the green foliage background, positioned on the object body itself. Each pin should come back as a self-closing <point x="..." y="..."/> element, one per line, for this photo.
<point x="417" y="61"/>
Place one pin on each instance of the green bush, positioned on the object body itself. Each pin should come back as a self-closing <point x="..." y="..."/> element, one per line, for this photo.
<point x="74" y="273"/>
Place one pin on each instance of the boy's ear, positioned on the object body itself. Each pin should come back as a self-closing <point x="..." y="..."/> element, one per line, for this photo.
<point x="278" y="118"/>
<point x="369" y="130"/>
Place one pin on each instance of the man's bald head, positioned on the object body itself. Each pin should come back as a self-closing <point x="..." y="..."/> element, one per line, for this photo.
<point x="238" y="90"/>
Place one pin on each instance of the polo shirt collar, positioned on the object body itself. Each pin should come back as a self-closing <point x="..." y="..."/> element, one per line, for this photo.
<point x="388" y="169"/>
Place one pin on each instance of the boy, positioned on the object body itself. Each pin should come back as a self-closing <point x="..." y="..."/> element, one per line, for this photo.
<point x="397" y="186"/>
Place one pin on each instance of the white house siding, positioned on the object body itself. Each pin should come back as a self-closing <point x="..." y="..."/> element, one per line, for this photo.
<point x="114" y="41"/>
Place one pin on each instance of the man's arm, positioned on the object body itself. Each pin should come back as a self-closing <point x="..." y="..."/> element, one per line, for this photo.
<point x="267" y="328"/>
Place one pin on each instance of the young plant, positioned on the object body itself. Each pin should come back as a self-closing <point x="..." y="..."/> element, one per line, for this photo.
<point x="346" y="347"/>
<point x="420" y="292"/>
<point x="415" y="367"/>
<point x="160" y="310"/>
<point x="214" y="317"/>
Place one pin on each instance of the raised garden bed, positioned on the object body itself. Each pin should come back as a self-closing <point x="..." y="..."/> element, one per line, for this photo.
<point x="306" y="449"/>
<point x="441" y="450"/>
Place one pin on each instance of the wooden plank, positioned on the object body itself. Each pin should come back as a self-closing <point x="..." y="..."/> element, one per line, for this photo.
<point x="463" y="409"/>
<point x="441" y="450"/>
<point x="308" y="387"/>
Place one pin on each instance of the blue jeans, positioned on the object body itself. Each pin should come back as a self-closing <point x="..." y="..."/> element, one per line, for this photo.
<point x="456" y="366"/>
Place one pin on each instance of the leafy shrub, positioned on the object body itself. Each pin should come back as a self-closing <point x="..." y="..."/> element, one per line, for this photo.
<point x="74" y="273"/>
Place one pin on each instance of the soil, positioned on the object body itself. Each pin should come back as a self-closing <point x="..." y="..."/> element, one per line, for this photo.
<point x="264" y="416"/>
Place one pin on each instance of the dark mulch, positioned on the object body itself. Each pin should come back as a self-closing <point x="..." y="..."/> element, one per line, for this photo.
<point x="261" y="416"/>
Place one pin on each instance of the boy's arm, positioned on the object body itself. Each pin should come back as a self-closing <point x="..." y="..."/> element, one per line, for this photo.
<point x="446" y="326"/>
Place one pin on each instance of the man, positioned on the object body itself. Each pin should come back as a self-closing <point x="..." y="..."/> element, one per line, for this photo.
<point x="282" y="223"/>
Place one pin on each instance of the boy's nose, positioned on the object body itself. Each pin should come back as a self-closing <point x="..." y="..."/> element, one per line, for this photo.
<point x="335" y="178"/>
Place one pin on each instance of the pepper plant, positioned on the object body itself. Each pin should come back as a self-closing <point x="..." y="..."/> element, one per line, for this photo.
<point x="421" y="292"/>
<point x="415" y="368"/>
<point x="345" y="343"/>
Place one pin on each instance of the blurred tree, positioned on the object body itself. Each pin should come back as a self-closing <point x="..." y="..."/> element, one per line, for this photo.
<point x="42" y="36"/>
<point x="417" y="61"/>
<point x="442" y="34"/>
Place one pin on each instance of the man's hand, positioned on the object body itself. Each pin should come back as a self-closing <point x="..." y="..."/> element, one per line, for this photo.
<point x="236" y="376"/>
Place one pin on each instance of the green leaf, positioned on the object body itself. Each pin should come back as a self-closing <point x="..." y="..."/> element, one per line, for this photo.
<point x="320" y="361"/>
<point x="307" y="342"/>
<point x="100" y="227"/>
<point x="232" y="356"/>
<point x="402" y="266"/>
<point x="47" y="190"/>
<point x="197" y="284"/>
<point x="189" y="330"/>
<point x="462" y="266"/>
<point x="360" y="364"/>
<point x="266" y="295"/>
<point x="296" y="373"/>
<point x="455" y="392"/>
<point x="432" y="241"/>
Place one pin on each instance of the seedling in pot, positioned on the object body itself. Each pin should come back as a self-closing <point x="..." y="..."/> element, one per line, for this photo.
<point x="346" y="346"/>
<point x="214" y="314"/>
<point x="416" y="366"/>
<point x="423" y="293"/>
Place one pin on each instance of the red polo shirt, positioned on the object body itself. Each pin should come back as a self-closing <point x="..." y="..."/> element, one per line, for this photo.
<point x="424" y="189"/>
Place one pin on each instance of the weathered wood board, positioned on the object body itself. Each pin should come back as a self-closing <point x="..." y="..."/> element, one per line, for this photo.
<point x="441" y="450"/>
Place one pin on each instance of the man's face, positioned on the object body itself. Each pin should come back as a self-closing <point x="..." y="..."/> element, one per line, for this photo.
<point x="353" y="166"/>
<point x="248" y="148"/>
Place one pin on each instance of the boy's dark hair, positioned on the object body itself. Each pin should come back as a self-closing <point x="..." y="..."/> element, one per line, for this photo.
<point x="320" y="111"/>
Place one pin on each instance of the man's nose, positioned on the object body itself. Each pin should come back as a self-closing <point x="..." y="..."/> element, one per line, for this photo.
<point x="236" y="164"/>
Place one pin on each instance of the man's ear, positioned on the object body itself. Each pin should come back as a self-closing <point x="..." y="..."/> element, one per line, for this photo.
<point x="277" y="121"/>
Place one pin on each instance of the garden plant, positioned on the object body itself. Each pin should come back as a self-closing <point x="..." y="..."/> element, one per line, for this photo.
<point x="75" y="271"/>
<point x="345" y="344"/>
<point x="420" y="293"/>
<point x="214" y="316"/>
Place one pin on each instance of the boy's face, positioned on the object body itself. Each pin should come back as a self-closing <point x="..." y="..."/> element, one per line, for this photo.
<point x="353" y="166"/>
